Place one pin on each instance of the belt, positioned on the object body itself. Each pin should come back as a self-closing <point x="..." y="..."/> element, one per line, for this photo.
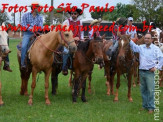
<point x="144" y="70"/>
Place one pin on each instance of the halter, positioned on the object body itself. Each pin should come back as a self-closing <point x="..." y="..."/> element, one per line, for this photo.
<point x="68" y="43"/>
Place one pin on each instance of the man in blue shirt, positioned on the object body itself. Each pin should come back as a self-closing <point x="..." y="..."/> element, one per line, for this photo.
<point x="150" y="58"/>
<point x="29" y="20"/>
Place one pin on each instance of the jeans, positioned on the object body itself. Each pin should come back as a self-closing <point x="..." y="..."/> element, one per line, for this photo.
<point x="66" y="55"/>
<point x="147" y="89"/>
<point x="112" y="48"/>
<point x="25" y="42"/>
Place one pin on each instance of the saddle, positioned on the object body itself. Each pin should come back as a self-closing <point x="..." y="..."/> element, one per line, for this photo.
<point x="32" y="40"/>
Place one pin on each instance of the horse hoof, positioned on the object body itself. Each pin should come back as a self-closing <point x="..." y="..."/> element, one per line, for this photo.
<point x="89" y="91"/>
<point x="26" y="94"/>
<point x="134" y="85"/>
<point x="2" y="104"/>
<point x="47" y="102"/>
<point x="115" y="99"/>
<point x="84" y="99"/>
<point x="108" y="93"/>
<point x="130" y="100"/>
<point x="30" y="102"/>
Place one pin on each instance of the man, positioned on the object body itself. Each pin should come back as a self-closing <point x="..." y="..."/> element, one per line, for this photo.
<point x="151" y="58"/>
<point x="130" y="31"/>
<point x="91" y="32"/>
<point x="6" y="59"/>
<point x="78" y="35"/>
<point x="33" y="19"/>
<point x="120" y="22"/>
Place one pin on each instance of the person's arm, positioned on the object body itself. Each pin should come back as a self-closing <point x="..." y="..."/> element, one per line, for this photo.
<point x="135" y="48"/>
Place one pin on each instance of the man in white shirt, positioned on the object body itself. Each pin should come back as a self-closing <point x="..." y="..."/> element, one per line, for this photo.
<point x="78" y="35"/>
<point x="131" y="31"/>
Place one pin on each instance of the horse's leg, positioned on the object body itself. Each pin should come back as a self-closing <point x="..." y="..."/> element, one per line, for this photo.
<point x="33" y="85"/>
<point x="70" y="79"/>
<point x="54" y="80"/>
<point x="134" y="74"/>
<point x="138" y="80"/>
<point x="1" y="102"/>
<point x="47" y="74"/>
<point x="117" y="87"/>
<point x="129" y="87"/>
<point x="112" y="83"/>
<point x="24" y="77"/>
<point x="75" y="87"/>
<point x="89" y="82"/>
<point x="83" y="98"/>
<point x="107" y="74"/>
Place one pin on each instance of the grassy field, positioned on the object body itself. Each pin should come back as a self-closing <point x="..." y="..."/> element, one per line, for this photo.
<point x="99" y="107"/>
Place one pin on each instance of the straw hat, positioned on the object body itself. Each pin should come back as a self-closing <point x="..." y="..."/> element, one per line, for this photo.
<point x="96" y="21"/>
<point x="35" y="2"/>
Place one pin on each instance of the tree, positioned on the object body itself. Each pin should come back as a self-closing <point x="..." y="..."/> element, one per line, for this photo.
<point x="3" y="17"/>
<point x="148" y="9"/>
<point x="97" y="15"/>
<point x="122" y="10"/>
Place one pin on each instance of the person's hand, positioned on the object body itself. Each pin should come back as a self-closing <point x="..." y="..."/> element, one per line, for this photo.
<point x="76" y="38"/>
<point x="152" y="69"/>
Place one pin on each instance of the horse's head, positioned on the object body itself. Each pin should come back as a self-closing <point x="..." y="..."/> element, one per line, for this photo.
<point x="124" y="45"/>
<point x="96" y="46"/>
<point x="3" y="41"/>
<point x="67" y="40"/>
<point x="155" y="37"/>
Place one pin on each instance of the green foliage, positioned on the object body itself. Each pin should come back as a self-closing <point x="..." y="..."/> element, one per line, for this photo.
<point x="151" y="10"/>
<point x="122" y="10"/>
<point x="3" y="17"/>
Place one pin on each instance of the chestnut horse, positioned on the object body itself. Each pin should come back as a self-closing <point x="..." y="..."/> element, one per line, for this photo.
<point x="124" y="64"/>
<point x="4" y="50"/>
<point x="82" y="65"/>
<point x="41" y="58"/>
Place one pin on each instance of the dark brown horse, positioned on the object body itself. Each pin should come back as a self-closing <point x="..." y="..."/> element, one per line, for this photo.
<point x="82" y="64"/>
<point x="124" y="64"/>
<point x="41" y="58"/>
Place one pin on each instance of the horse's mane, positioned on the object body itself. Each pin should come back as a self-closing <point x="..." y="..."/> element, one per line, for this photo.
<point x="83" y="46"/>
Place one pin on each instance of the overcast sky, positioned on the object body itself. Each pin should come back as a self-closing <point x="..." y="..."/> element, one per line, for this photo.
<point x="58" y="2"/>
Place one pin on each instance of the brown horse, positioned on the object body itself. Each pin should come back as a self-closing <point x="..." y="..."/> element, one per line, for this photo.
<point x="41" y="58"/>
<point x="107" y="45"/>
<point x="87" y="54"/>
<point x="124" y="64"/>
<point x="136" y="64"/>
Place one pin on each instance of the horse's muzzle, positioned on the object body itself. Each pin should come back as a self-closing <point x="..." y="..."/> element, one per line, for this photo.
<point x="72" y="49"/>
<point x="98" y="60"/>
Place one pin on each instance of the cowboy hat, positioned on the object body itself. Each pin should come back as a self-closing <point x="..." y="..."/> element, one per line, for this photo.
<point x="95" y="21"/>
<point x="121" y="21"/>
<point x="35" y="2"/>
<point x="78" y="10"/>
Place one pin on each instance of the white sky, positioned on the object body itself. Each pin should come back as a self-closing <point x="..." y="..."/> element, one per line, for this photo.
<point x="58" y="2"/>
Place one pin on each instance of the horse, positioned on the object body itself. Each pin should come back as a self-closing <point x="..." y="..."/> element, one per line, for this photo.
<point x="140" y="41"/>
<point x="41" y="58"/>
<point x="124" y="64"/>
<point x="87" y="54"/>
<point x="4" y="51"/>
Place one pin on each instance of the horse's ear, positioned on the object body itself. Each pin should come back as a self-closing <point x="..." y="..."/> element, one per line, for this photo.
<point x="94" y="35"/>
<point x="103" y="37"/>
<point x="129" y="36"/>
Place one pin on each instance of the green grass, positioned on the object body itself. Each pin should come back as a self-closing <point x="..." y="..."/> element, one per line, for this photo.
<point x="99" y="107"/>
